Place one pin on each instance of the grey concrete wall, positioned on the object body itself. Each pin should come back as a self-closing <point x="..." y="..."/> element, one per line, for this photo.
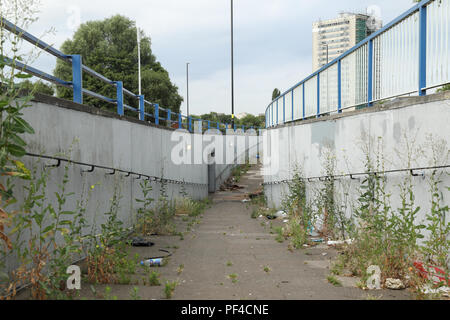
<point x="252" y="152"/>
<point x="88" y="135"/>
<point x="399" y="128"/>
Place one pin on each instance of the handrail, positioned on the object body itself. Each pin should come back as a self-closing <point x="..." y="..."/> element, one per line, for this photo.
<point x="32" y="39"/>
<point x="77" y="82"/>
<point x="97" y="75"/>
<point x="114" y="170"/>
<point x="370" y="58"/>
<point x="352" y="175"/>
<point x="35" y="72"/>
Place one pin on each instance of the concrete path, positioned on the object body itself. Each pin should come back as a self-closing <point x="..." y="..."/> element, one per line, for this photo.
<point x="227" y="242"/>
<point x="228" y="235"/>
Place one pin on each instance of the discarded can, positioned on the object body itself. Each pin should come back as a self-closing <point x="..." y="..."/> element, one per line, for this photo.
<point x="152" y="262"/>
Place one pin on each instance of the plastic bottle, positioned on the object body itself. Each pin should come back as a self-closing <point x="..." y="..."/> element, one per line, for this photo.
<point x="152" y="262"/>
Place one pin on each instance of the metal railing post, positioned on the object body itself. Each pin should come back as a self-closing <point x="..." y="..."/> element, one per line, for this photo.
<point x="209" y="124"/>
<point x="169" y="117"/>
<point x="277" y="113"/>
<point x="119" y="85"/>
<point x="370" y="75"/>
<point x="422" y="50"/>
<point x="190" y="123"/>
<point x="339" y="86"/>
<point x="180" y="121"/>
<point x="142" y="108"/>
<point x="292" y="114"/>
<point x="304" y="112"/>
<point x="284" y="109"/>
<point x="273" y="118"/>
<point x="77" y="78"/>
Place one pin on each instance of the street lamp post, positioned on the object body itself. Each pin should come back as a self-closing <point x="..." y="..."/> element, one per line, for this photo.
<point x="187" y="85"/>
<point x="139" y="59"/>
<point x="232" y="67"/>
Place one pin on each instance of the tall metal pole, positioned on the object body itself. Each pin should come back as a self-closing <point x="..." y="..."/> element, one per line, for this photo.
<point x="232" y="67"/>
<point x="187" y="85"/>
<point x="139" y="59"/>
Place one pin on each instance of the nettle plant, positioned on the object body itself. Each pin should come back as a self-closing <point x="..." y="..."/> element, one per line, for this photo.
<point x="107" y="255"/>
<point x="437" y="246"/>
<point x="390" y="236"/>
<point x="376" y="242"/>
<point x="12" y="124"/>
<point x="46" y="236"/>
<point x="157" y="219"/>
<point x="165" y="210"/>
<point x="335" y="224"/>
<point x="301" y="215"/>
<point x="145" y="215"/>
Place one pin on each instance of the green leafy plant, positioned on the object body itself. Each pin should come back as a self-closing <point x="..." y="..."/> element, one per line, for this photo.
<point x="134" y="294"/>
<point x="107" y="295"/>
<point x="444" y="88"/>
<point x="13" y="102"/>
<point x="107" y="251"/>
<point x="280" y="234"/>
<point x="239" y="171"/>
<point x="53" y="237"/>
<point x="387" y="237"/>
<point x="334" y="281"/>
<point x="153" y="278"/>
<point x="233" y="277"/>
<point x="301" y="215"/>
<point x="169" y="288"/>
<point x="144" y="217"/>
<point x="180" y="269"/>
<point x="436" y="247"/>
<point x="192" y="208"/>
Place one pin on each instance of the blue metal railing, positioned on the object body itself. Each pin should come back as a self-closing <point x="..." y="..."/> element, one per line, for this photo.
<point x="410" y="55"/>
<point x="78" y="68"/>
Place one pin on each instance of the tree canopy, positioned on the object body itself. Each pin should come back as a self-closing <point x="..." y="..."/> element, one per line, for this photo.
<point x="276" y="93"/>
<point x="110" y="48"/>
<point x="38" y="86"/>
<point x="248" y="121"/>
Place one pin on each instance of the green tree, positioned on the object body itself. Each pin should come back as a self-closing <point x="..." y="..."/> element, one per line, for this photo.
<point x="248" y="121"/>
<point x="110" y="48"/>
<point x="37" y="87"/>
<point x="216" y="117"/>
<point x="253" y="121"/>
<point x="276" y="93"/>
<point x="444" y="88"/>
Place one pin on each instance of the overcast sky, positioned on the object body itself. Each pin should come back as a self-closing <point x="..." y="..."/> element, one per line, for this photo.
<point x="273" y="41"/>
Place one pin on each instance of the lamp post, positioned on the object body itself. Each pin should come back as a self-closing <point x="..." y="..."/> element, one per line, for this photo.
<point x="187" y="85"/>
<point x="139" y="59"/>
<point x="232" y="67"/>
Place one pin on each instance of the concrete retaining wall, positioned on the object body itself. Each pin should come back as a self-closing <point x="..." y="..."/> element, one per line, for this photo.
<point x="91" y="136"/>
<point x="401" y="127"/>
